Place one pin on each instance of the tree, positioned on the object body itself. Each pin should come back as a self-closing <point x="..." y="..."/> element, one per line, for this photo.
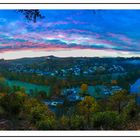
<point x="2" y="80"/>
<point x="39" y="114"/>
<point x="64" y="123"/>
<point x="131" y="111"/>
<point x="77" y="122"/>
<point x="46" y="123"/>
<point x="32" y="15"/>
<point x="55" y="89"/>
<point x="113" y="82"/>
<point x="108" y="120"/>
<point x="22" y="90"/>
<point x="84" y="89"/>
<point x="42" y="94"/>
<point x="3" y="85"/>
<point x="118" y="100"/>
<point x="87" y="107"/>
<point x="12" y="104"/>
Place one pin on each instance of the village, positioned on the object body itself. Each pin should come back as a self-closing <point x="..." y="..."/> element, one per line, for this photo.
<point x="98" y="92"/>
<point x="79" y="67"/>
<point x="73" y="94"/>
<point x="75" y="69"/>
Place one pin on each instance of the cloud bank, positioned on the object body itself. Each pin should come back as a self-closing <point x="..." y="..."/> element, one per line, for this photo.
<point x="62" y="30"/>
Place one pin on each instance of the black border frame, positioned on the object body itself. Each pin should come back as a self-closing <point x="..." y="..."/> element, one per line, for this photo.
<point x="73" y="4"/>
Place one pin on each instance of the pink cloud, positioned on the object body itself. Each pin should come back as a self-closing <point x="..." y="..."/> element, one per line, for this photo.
<point x="122" y="38"/>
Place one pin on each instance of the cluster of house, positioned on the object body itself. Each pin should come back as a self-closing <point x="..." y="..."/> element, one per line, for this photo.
<point x="21" y="68"/>
<point x="116" y="68"/>
<point x="75" y="70"/>
<point x="73" y="94"/>
<point x="105" y="90"/>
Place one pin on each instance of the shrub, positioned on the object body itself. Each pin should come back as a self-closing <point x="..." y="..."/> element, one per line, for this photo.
<point x="107" y="120"/>
<point x="12" y="104"/>
<point x="77" y="122"/>
<point x="46" y="123"/>
<point x="130" y="111"/>
<point x="64" y="123"/>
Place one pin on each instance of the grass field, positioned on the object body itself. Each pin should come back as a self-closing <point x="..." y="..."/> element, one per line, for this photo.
<point x="28" y="86"/>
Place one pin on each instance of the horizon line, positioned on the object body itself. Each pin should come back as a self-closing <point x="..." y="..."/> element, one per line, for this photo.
<point x="138" y="57"/>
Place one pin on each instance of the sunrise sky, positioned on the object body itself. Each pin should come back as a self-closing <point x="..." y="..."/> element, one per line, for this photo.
<point x="108" y="33"/>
